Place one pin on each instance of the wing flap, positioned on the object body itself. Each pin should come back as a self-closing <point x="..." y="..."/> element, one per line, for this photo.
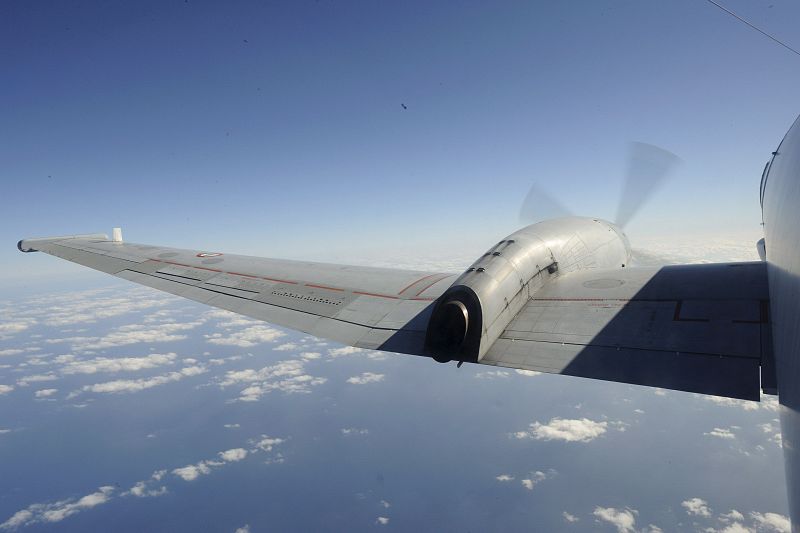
<point x="696" y="328"/>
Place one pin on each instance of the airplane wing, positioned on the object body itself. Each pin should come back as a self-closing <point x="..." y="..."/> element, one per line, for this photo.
<point x="375" y="308"/>
<point x="698" y="328"/>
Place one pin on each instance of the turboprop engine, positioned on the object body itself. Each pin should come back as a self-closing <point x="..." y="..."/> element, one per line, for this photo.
<point x="477" y="308"/>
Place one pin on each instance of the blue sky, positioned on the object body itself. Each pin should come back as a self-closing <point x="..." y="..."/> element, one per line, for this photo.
<point x="278" y="129"/>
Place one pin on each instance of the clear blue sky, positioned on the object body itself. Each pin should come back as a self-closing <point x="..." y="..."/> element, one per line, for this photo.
<point x="278" y="129"/>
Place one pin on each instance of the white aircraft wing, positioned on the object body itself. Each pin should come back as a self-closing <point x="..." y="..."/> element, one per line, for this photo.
<point x="699" y="328"/>
<point x="358" y="306"/>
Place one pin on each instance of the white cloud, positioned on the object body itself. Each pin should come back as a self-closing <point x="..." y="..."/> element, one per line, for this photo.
<point x="231" y="426"/>
<point x="247" y="337"/>
<point x="136" y="385"/>
<point x="772" y="522"/>
<point x="354" y="431"/>
<point x="768" y="403"/>
<point x="36" y="378"/>
<point x="233" y="455"/>
<point x="142" y="488"/>
<point x="382" y="520"/>
<point x="11" y="351"/>
<point x="623" y="519"/>
<point x="266" y="444"/>
<point x="119" y="364"/>
<point x="286" y="376"/>
<point x="721" y="433"/>
<point x="504" y="477"/>
<point x="735" y="527"/>
<point x="192" y="472"/>
<point x="570" y="517"/>
<point x="45" y="393"/>
<point x="310" y="356"/>
<point x="535" y="477"/>
<point x="366" y="377"/>
<point x="569" y="430"/>
<point x="244" y="529"/>
<point x="286" y="347"/>
<point x="733" y="514"/>
<point x="385" y="504"/>
<point x="132" y="334"/>
<point x="345" y="350"/>
<point x="58" y="511"/>
<point x="9" y="328"/>
<point x="696" y="507"/>
<point x="201" y="468"/>
<point x="5" y="389"/>
<point x="529" y="373"/>
<point x="492" y="374"/>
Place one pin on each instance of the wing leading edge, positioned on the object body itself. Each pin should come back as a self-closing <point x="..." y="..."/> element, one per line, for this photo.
<point x="697" y="328"/>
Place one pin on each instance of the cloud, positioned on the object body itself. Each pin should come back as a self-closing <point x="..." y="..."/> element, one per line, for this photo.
<point x="233" y="455"/>
<point x="93" y="305"/>
<point x="366" y="377"/>
<point x="569" y="430"/>
<point x="382" y="520"/>
<point x="151" y="487"/>
<point x="137" y="385"/>
<point x="266" y="444"/>
<point x="721" y="433"/>
<point x="529" y="373"/>
<point x="26" y="380"/>
<point x="244" y="529"/>
<point x="504" y="477"/>
<point x="247" y="337"/>
<point x="696" y="507"/>
<point x="570" y="517"/>
<point x="119" y="364"/>
<point x="767" y="403"/>
<point x="45" y="393"/>
<point x="535" y="477"/>
<point x="192" y="472"/>
<point x="131" y="334"/>
<point x="772" y="522"/>
<point x="735" y="527"/>
<point x="286" y="347"/>
<point x="733" y="514"/>
<point x="142" y="488"/>
<point x="333" y="353"/>
<point x="354" y="431"/>
<point x="492" y="374"/>
<point x="623" y="519"/>
<point x="5" y="389"/>
<point x="345" y="350"/>
<point x="9" y="328"/>
<point x="286" y="376"/>
<point x="58" y="511"/>
<point x="385" y="504"/>
<point x="231" y="426"/>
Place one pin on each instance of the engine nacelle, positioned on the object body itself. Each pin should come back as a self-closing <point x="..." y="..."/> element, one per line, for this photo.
<point x="470" y="316"/>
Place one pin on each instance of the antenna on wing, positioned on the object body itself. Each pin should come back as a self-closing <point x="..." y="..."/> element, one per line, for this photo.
<point x="648" y="168"/>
